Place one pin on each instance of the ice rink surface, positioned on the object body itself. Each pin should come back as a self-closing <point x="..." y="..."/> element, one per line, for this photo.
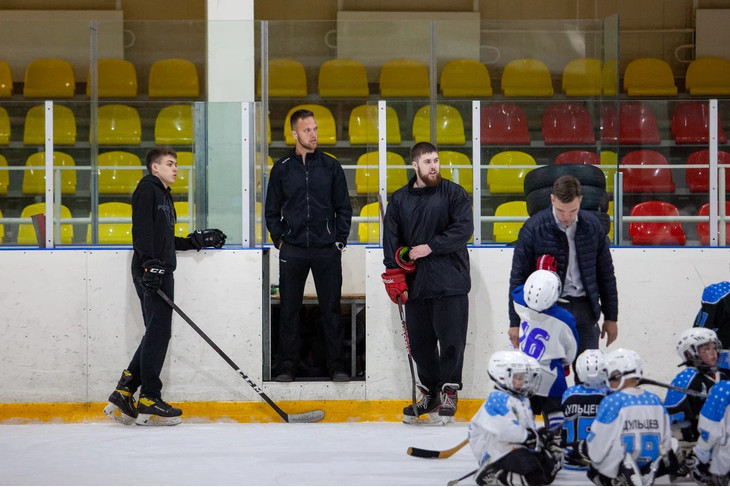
<point x="237" y="454"/>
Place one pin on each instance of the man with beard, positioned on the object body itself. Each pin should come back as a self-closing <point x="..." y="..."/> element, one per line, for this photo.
<point x="426" y="228"/>
<point x="308" y="214"/>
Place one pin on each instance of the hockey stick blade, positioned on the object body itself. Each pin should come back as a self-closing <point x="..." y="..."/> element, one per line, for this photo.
<point x="423" y="453"/>
<point x="307" y="417"/>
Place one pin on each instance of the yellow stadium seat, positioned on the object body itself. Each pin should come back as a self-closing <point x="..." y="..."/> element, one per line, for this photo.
<point x="118" y="125"/>
<point x="64" y="126"/>
<point x="26" y="231"/>
<point x="4" y="127"/>
<point x="649" y="77"/>
<point x="174" y="125"/>
<point x="6" y="80"/>
<point x="49" y="78"/>
<point x="119" y="181"/>
<point x="582" y="77"/>
<point x="507" y="232"/>
<point x="363" y="128"/>
<point x="404" y="78"/>
<point x="173" y="78"/>
<point x="113" y="233"/>
<point x="610" y="213"/>
<point x="462" y="175"/>
<point x="449" y="125"/>
<point x="325" y="121"/>
<point x="609" y="165"/>
<point x="343" y="78"/>
<point x="182" y="228"/>
<point x="2" y="229"/>
<point x="526" y="77"/>
<point x="34" y="180"/>
<point x="708" y="76"/>
<point x="370" y="231"/>
<point x="116" y="78"/>
<point x="366" y="179"/>
<point x="184" y="176"/>
<point x="609" y="77"/>
<point x="508" y="180"/>
<point x="287" y="79"/>
<point x="465" y="78"/>
<point x="4" y="175"/>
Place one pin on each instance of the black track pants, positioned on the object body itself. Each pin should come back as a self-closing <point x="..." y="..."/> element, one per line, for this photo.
<point x="437" y="334"/>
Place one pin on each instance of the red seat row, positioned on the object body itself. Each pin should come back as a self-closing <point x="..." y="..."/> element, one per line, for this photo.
<point x="667" y="233"/>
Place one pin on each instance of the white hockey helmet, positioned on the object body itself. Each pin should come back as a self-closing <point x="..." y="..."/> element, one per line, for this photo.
<point x="542" y="289"/>
<point x="590" y="368"/>
<point x="504" y="365"/>
<point x="689" y="343"/>
<point x="622" y="364"/>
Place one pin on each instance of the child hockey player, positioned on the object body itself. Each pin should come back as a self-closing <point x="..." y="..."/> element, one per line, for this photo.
<point x="698" y="349"/>
<point x="711" y="461"/>
<point x="715" y="311"/>
<point x="549" y="335"/>
<point x="581" y="403"/>
<point x="630" y="441"/>
<point x="503" y="435"/>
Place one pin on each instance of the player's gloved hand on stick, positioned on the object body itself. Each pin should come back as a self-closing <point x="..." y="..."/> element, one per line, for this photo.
<point x="153" y="272"/>
<point x="395" y="285"/>
<point x="210" y="237"/>
<point x="546" y="436"/>
<point x="547" y="262"/>
<point x="403" y="259"/>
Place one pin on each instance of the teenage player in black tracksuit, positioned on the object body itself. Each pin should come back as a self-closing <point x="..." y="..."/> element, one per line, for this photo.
<point x="153" y="263"/>
<point x="308" y="214"/>
<point x="427" y="226"/>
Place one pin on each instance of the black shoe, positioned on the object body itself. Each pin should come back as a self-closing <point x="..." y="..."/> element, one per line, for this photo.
<point x="155" y="411"/>
<point x="449" y="398"/>
<point x="284" y="377"/>
<point x="429" y="403"/>
<point x="121" y="405"/>
<point x="340" y="375"/>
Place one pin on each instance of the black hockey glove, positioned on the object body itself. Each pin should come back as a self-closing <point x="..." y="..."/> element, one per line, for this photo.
<point x="211" y="237"/>
<point x="700" y="472"/>
<point x="152" y="277"/>
<point x="531" y="440"/>
<point x="547" y="437"/>
<point x="577" y="453"/>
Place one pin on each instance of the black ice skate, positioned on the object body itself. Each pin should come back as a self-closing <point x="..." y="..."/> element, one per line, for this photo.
<point x="427" y="408"/>
<point x="156" y="412"/>
<point x="449" y="398"/>
<point x="121" y="405"/>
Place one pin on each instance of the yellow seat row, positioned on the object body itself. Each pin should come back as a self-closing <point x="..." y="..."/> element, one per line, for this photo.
<point x="117" y="125"/>
<point x="117" y="78"/>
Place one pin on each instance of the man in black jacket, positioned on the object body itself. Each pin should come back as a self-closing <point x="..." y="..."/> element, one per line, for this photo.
<point x="308" y="214"/>
<point x="427" y="226"/>
<point x="153" y="263"/>
<point x="578" y="243"/>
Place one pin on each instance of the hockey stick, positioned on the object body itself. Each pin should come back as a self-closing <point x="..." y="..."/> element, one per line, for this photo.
<point x="410" y="358"/>
<point x="456" y="481"/>
<point x="307" y="417"/>
<point x="689" y="392"/>
<point x="423" y="453"/>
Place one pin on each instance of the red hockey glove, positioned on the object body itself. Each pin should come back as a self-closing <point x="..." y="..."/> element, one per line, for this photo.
<point x="395" y="285"/>
<point x="404" y="260"/>
<point x="548" y="263"/>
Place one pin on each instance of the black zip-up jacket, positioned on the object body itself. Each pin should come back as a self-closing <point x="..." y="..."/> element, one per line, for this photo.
<point x="153" y="226"/>
<point x="308" y="204"/>
<point x="440" y="216"/>
<point x="541" y="235"/>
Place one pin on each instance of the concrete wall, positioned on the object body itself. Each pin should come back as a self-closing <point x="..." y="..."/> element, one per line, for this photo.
<point x="71" y="321"/>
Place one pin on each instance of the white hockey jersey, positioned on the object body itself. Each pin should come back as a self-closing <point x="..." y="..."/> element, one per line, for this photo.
<point x="628" y="421"/>
<point x="500" y="426"/>
<point x="714" y="428"/>
<point x="551" y="338"/>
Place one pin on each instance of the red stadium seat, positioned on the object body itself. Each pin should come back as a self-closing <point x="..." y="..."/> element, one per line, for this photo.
<point x="656" y="233"/>
<point x="638" y="124"/>
<point x="504" y="124"/>
<point x="703" y="228"/>
<point x="652" y="180"/>
<point x="691" y="124"/>
<point x="567" y="123"/>
<point x="698" y="180"/>
<point x="578" y="157"/>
